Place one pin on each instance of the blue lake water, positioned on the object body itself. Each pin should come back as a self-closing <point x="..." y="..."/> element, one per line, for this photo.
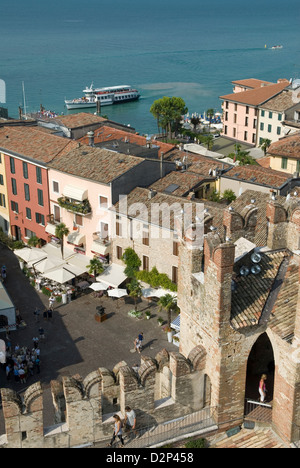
<point x="189" y="49"/>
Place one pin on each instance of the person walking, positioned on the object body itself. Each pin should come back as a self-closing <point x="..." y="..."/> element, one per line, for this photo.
<point x="130" y="421"/>
<point x="37" y="313"/>
<point x="262" y="388"/>
<point x="137" y="345"/>
<point x="117" y="431"/>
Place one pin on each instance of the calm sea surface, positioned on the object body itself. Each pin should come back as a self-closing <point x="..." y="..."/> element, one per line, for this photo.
<point x="189" y="49"/>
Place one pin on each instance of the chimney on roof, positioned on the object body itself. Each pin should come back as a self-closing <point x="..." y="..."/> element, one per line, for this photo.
<point x="91" y="137"/>
<point x="151" y="194"/>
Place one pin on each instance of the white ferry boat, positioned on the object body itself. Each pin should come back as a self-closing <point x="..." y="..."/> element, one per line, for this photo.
<point x="94" y="97"/>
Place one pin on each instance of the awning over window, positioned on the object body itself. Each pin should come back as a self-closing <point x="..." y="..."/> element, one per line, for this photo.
<point x="176" y="323"/>
<point x="113" y="275"/>
<point x="76" y="193"/>
<point x="101" y="249"/>
<point x="76" y="238"/>
<point x="50" y="229"/>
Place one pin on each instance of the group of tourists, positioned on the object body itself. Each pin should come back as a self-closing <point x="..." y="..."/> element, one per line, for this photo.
<point x="23" y="362"/>
<point x="128" y="426"/>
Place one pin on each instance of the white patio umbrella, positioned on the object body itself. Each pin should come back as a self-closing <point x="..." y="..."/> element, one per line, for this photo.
<point x="60" y="275"/>
<point x="48" y="264"/>
<point x="31" y="255"/>
<point x="117" y="292"/>
<point x="99" y="286"/>
<point x="151" y="292"/>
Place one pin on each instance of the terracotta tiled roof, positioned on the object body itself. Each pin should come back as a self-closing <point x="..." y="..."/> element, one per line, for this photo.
<point x="141" y="196"/>
<point x="288" y="147"/>
<point x="34" y="144"/>
<point x="106" y="133"/>
<point x="95" y="164"/>
<point x="185" y="182"/>
<point x="251" y="83"/>
<point x="197" y="163"/>
<point x="257" y="96"/>
<point x="251" y="294"/>
<point x="281" y="102"/>
<point x="283" y="316"/>
<point x="79" y="120"/>
<point x="258" y="175"/>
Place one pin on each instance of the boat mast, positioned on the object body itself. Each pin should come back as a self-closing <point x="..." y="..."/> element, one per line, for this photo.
<point x="25" y="110"/>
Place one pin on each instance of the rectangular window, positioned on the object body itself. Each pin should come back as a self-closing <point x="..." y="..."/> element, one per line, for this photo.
<point x="262" y="113"/>
<point x="226" y="116"/>
<point x="235" y="107"/>
<point x="175" y="274"/>
<point x="15" y="207"/>
<point x="119" y="252"/>
<point x="270" y="115"/>
<point x="247" y="109"/>
<point x="254" y="123"/>
<point x="28" y="213"/>
<point x="145" y="234"/>
<point x="56" y="213"/>
<point x="29" y="233"/>
<point x="1" y="179"/>
<point x="14" y="186"/>
<point x="175" y="248"/>
<point x="269" y="128"/>
<point x="40" y="219"/>
<point x="79" y="220"/>
<point x="145" y="263"/>
<point x="279" y="117"/>
<point x="234" y="118"/>
<point x="103" y="201"/>
<point x="245" y="136"/>
<point x="225" y="130"/>
<point x="118" y="226"/>
<point x="246" y="121"/>
<point x="12" y="165"/>
<point x="55" y="186"/>
<point x="262" y="126"/>
<point x="25" y="170"/>
<point x="40" y="197"/>
<point x="253" y="138"/>
<point x="27" y="193"/>
<point x="2" y="200"/>
<point x="284" y="162"/>
<point x="278" y="131"/>
<point x="38" y="175"/>
<point x="298" y="166"/>
<point x="234" y="133"/>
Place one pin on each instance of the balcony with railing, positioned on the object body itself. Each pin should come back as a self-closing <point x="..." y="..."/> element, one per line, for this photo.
<point x="80" y="207"/>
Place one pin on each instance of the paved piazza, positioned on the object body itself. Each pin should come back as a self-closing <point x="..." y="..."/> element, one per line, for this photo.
<point x="75" y="343"/>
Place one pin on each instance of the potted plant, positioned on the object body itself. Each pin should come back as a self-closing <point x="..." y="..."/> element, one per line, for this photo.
<point x="64" y="296"/>
<point x="176" y="340"/>
<point x="147" y="314"/>
<point x="160" y="321"/>
<point x="169" y="333"/>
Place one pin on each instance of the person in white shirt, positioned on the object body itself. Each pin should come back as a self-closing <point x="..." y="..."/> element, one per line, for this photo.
<point x="130" y="421"/>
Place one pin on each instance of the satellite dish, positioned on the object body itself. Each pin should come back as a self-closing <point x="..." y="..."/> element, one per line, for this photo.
<point x="244" y="271"/>
<point x="256" y="258"/>
<point x="256" y="269"/>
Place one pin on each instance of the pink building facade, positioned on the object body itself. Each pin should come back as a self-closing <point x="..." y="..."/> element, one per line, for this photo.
<point x="240" y="122"/>
<point x="83" y="206"/>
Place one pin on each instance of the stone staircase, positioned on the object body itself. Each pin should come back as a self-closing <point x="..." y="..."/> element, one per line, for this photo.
<point x="260" y="438"/>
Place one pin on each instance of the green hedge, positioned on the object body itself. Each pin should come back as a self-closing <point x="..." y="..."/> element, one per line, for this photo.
<point x="156" y="279"/>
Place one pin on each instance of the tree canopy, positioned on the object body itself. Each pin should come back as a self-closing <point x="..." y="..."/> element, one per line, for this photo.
<point x="168" y="113"/>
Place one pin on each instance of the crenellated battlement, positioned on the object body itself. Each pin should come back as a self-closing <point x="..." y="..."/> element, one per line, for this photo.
<point x="84" y="407"/>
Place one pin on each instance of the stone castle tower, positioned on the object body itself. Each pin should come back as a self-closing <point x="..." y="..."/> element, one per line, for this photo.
<point x="246" y="315"/>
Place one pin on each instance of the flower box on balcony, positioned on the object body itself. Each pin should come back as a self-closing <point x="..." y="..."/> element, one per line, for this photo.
<point x="81" y="207"/>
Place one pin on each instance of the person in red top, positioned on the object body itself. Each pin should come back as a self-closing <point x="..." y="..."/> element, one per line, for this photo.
<point x="262" y="388"/>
